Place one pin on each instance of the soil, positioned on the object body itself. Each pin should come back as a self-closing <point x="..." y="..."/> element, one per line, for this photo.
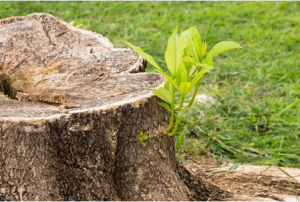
<point x="246" y="182"/>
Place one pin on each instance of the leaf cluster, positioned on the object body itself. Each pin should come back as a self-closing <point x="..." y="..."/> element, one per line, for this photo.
<point x="143" y="138"/>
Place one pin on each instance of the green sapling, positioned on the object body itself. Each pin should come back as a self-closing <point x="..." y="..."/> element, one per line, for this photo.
<point x="187" y="61"/>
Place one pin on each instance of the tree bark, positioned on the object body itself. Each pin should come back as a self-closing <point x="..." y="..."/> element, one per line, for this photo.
<point x="71" y="110"/>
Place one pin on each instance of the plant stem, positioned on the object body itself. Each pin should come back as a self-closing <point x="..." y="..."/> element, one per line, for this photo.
<point x="175" y="127"/>
<point x="171" y="122"/>
<point x="194" y="95"/>
<point x="178" y="118"/>
<point x="179" y="109"/>
<point x="172" y="108"/>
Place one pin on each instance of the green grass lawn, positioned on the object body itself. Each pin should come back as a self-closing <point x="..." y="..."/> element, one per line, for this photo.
<point x="257" y="116"/>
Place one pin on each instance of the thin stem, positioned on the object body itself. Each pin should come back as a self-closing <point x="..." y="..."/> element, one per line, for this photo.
<point x="194" y="94"/>
<point x="175" y="127"/>
<point x="171" y="122"/>
<point x="177" y="119"/>
<point x="181" y="103"/>
<point x="172" y="108"/>
<point x="179" y="109"/>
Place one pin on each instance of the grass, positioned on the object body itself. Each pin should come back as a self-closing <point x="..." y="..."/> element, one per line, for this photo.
<point x="256" y="118"/>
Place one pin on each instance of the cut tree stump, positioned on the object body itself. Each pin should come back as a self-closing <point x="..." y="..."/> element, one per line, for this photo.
<point x="71" y="110"/>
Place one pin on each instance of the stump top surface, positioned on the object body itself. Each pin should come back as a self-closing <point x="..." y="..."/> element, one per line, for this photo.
<point x="54" y="68"/>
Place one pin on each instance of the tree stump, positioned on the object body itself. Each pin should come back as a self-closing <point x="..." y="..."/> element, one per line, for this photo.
<point x="71" y="110"/>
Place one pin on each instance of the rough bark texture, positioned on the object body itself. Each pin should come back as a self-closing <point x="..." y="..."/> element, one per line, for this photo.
<point x="71" y="109"/>
<point x="74" y="156"/>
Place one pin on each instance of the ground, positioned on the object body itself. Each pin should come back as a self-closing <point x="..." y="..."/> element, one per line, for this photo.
<point x="242" y="182"/>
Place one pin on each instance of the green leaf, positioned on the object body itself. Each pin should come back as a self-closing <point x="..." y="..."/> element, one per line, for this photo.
<point x="192" y="71"/>
<point x="203" y="49"/>
<point x="143" y="138"/>
<point x="203" y="66"/>
<point x="193" y="43"/>
<point x="163" y="94"/>
<point x="182" y="74"/>
<point x="223" y="46"/>
<point x="198" y="76"/>
<point x="182" y="45"/>
<point x="167" y="85"/>
<point x="142" y="142"/>
<point x="185" y="88"/>
<point x="208" y="60"/>
<point x="172" y="54"/>
<point x="169" y="79"/>
<point x="80" y="25"/>
<point x="189" y="60"/>
<point x="166" y="106"/>
<point x="147" y="57"/>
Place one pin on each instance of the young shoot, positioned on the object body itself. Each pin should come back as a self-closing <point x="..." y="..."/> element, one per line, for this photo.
<point x="187" y="61"/>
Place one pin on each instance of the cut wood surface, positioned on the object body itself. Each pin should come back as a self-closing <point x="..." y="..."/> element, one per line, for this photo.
<point x="50" y="61"/>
